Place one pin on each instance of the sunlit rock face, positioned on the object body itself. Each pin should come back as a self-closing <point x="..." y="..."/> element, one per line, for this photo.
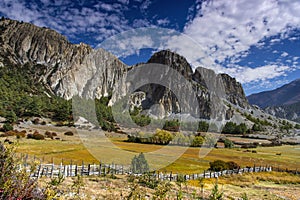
<point x="76" y="69"/>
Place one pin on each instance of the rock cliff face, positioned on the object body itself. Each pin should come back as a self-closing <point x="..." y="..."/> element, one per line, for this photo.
<point x="210" y="90"/>
<point x="70" y="69"/>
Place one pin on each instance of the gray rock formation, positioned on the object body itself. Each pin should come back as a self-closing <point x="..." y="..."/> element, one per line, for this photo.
<point x="71" y="69"/>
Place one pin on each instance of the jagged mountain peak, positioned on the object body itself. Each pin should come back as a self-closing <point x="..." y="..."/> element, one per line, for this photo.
<point x="174" y="60"/>
<point x="77" y="69"/>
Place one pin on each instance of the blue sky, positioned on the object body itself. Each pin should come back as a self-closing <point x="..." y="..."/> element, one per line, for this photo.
<point x="257" y="41"/>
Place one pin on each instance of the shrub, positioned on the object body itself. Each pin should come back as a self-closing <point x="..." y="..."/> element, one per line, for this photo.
<point x="36" y="136"/>
<point x="172" y="125"/>
<point x="7" y="127"/>
<point x="203" y="126"/>
<point x="21" y="134"/>
<point x="162" y="137"/>
<point x="49" y="134"/>
<point x="232" y="165"/>
<point x="198" y="141"/>
<point x="15" y="182"/>
<point x="10" y="133"/>
<point x="69" y="133"/>
<point x="257" y="127"/>
<point x="210" y="140"/>
<point x="36" y="121"/>
<point x="228" y="143"/>
<point x="220" y="165"/>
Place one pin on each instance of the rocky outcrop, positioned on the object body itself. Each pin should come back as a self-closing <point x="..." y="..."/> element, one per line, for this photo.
<point x="234" y="91"/>
<point x="70" y="69"/>
<point x="290" y="111"/>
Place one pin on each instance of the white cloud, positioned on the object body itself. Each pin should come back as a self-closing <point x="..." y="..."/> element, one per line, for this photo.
<point x="227" y="30"/>
<point x="101" y="20"/>
<point x="145" y="5"/>
<point x="263" y="73"/>
<point x="284" y="54"/>
<point x="163" y="22"/>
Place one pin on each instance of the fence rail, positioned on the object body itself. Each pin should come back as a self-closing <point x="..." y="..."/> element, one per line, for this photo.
<point x="101" y="169"/>
<point x="51" y="170"/>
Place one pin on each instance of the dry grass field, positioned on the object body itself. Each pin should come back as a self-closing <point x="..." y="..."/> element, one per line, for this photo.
<point x="92" y="149"/>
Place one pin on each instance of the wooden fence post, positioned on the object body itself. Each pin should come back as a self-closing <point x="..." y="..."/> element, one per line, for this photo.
<point x="89" y="169"/>
<point x="100" y="168"/>
<point x="76" y="168"/>
<point x="82" y="168"/>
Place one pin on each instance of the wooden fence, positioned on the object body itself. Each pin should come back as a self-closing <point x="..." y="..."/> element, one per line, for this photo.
<point x="51" y="170"/>
<point x="101" y="169"/>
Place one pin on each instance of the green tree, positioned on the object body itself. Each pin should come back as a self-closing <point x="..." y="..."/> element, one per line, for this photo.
<point x="218" y="165"/>
<point x="241" y="128"/>
<point x="203" y="126"/>
<point x="139" y="164"/>
<point x="228" y="143"/>
<point x="11" y="116"/>
<point x="257" y="127"/>
<point x="229" y="128"/>
<point x="7" y="127"/>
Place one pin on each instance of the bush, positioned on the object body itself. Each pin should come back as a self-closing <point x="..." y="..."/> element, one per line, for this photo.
<point x="7" y="127"/>
<point x="172" y="125"/>
<point x="228" y="143"/>
<point x="210" y="140"/>
<point x="35" y="136"/>
<point x="10" y="133"/>
<point x="15" y="182"/>
<point x="220" y="165"/>
<point x="69" y="133"/>
<point x="257" y="127"/>
<point x="21" y="134"/>
<point x="162" y="137"/>
<point x="198" y="141"/>
<point x="203" y="126"/>
<point x="49" y="134"/>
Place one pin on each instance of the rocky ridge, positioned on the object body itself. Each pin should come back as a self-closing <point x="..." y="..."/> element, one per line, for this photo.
<point x="77" y="69"/>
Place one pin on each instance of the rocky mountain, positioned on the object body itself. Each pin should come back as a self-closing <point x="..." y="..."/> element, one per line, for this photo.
<point x="285" y="95"/>
<point x="67" y="70"/>
<point x="290" y="111"/>
<point x="283" y="102"/>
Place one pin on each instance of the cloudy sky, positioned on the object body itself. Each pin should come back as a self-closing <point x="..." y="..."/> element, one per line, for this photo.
<point x="255" y="41"/>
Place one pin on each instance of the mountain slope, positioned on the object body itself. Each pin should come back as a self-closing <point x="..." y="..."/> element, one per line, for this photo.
<point x="67" y="70"/>
<point x="285" y="95"/>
